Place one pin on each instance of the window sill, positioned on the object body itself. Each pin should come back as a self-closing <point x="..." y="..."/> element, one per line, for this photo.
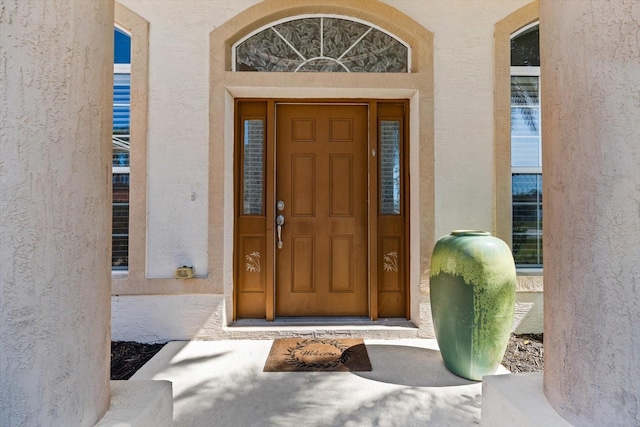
<point x="119" y="274"/>
<point x="536" y="271"/>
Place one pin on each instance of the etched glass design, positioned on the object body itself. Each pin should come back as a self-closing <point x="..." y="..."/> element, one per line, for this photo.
<point x="525" y="48"/>
<point x="253" y="167"/>
<point x="322" y="44"/>
<point x="389" y="167"/>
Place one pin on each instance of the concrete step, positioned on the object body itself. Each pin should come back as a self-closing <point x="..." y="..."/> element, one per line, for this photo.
<point x="317" y="327"/>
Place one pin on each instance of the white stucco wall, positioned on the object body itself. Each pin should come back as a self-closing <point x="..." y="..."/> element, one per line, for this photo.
<point x="56" y="66"/>
<point x="178" y="130"/>
<point x="185" y="232"/>
<point x="463" y="94"/>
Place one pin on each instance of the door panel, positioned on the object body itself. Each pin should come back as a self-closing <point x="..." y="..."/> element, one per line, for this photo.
<point x="340" y="188"/>
<point x="341" y="269"/>
<point x="303" y="183"/>
<point x="303" y="262"/>
<point x="321" y="176"/>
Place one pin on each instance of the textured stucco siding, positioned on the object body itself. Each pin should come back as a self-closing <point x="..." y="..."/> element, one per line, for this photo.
<point x="178" y="133"/>
<point x="591" y="158"/>
<point x="55" y="124"/>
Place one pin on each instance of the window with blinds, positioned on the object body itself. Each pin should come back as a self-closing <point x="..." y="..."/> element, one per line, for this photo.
<point x="526" y="148"/>
<point x="121" y="150"/>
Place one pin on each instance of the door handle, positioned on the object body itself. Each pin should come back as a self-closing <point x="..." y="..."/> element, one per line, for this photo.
<point x="279" y="223"/>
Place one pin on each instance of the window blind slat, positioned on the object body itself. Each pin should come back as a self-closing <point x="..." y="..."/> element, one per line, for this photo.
<point x="120" y="160"/>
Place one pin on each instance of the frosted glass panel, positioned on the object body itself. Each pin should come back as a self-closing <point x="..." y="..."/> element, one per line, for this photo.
<point x="377" y="52"/>
<point x="302" y="34"/>
<point x="339" y="34"/>
<point x="322" y="44"/>
<point x="253" y="167"/>
<point x="389" y="167"/>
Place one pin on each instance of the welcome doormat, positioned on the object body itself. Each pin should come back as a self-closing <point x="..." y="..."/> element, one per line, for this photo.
<point x="317" y="354"/>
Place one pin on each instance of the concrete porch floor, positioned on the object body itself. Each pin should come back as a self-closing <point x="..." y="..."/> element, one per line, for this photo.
<point x="221" y="383"/>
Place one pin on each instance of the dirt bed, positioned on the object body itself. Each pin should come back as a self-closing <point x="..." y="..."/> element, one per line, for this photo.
<point x="524" y="353"/>
<point x="127" y="357"/>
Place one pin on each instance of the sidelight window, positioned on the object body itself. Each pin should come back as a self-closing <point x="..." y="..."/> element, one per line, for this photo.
<point x="390" y="167"/>
<point x="253" y="166"/>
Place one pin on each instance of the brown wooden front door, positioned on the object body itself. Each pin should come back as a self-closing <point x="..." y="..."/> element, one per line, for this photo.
<point x="339" y="170"/>
<point x="321" y="180"/>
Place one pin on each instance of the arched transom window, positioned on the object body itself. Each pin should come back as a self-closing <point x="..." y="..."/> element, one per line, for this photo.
<point x="324" y="43"/>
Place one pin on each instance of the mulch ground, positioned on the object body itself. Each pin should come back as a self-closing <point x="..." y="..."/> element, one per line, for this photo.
<point x="127" y="357"/>
<point x="525" y="353"/>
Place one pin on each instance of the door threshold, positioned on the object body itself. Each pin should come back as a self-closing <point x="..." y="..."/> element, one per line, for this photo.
<point x="322" y="322"/>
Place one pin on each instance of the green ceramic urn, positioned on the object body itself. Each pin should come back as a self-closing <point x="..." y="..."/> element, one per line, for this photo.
<point x="473" y="291"/>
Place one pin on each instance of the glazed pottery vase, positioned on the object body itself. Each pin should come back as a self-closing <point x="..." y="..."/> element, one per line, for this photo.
<point x="473" y="291"/>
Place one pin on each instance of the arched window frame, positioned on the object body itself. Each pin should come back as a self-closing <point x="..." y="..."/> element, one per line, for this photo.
<point x="321" y="16"/>
<point x="503" y="207"/>
<point x="131" y="281"/>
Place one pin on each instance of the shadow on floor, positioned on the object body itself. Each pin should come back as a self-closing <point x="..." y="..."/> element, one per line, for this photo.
<point x="410" y="366"/>
<point x="221" y="383"/>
